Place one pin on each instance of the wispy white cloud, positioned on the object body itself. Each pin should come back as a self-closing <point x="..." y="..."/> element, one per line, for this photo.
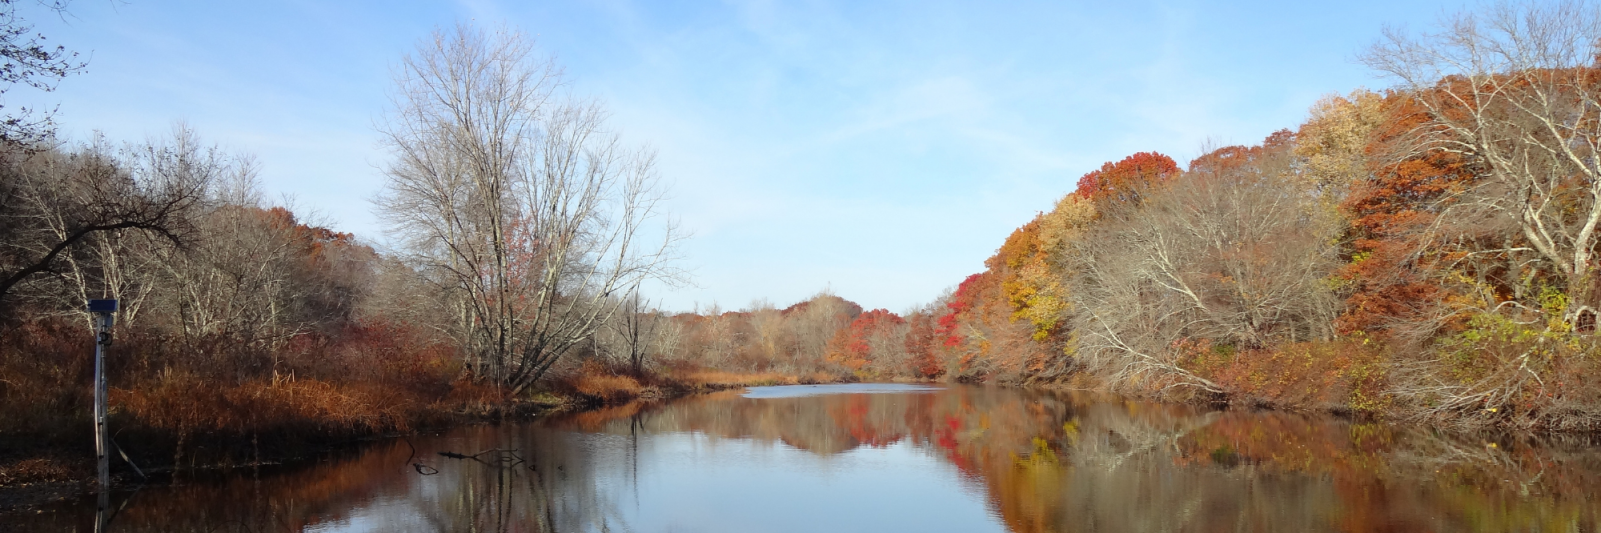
<point x="881" y="148"/>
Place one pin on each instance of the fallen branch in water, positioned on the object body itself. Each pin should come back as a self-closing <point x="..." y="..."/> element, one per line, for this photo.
<point x="454" y="455"/>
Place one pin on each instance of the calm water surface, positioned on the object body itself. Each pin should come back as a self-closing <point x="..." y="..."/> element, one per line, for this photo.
<point x="898" y="458"/>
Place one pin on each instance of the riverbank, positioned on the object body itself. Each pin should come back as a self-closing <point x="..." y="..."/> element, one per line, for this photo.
<point x="53" y="462"/>
<point x="1024" y="458"/>
<point x="181" y="426"/>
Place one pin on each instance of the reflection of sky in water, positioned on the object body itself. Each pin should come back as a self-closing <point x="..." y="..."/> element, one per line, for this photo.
<point x="798" y="391"/>
<point x="697" y="482"/>
<point x="373" y="517"/>
<point x="692" y="482"/>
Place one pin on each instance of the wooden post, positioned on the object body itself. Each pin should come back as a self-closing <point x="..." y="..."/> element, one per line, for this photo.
<point x="103" y="310"/>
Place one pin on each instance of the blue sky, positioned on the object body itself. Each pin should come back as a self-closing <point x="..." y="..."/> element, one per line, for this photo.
<point x="878" y="149"/>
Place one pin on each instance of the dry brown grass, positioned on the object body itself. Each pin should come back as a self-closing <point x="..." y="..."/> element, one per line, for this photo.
<point x="470" y="397"/>
<point x="722" y="379"/>
<point x="182" y="409"/>
<point x="185" y="403"/>
<point x="611" y="388"/>
<point x="35" y="470"/>
<point x="594" y="382"/>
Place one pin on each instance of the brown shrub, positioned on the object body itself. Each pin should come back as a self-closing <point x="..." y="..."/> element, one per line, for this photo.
<point x="1343" y="374"/>
<point x="45" y="373"/>
<point x="597" y="382"/>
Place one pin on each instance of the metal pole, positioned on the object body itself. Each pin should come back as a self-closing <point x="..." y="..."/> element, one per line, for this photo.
<point x="103" y="466"/>
<point x="103" y="319"/>
<point x="101" y="449"/>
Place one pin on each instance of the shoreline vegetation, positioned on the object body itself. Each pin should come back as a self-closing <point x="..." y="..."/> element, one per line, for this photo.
<point x="40" y="467"/>
<point x="1427" y="254"/>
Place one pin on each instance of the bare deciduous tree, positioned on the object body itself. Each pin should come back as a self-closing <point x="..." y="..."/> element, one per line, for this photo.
<point x="813" y="323"/>
<point x="53" y="201"/>
<point x="1517" y="93"/>
<point x="633" y="330"/>
<point x="25" y="59"/>
<point x="768" y="332"/>
<point x="1234" y="251"/>
<point x="526" y="213"/>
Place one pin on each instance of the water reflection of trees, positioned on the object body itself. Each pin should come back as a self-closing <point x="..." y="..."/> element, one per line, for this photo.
<point x="541" y="481"/>
<point x="1061" y="462"/>
<point x="521" y="479"/>
<point x="1045" y="462"/>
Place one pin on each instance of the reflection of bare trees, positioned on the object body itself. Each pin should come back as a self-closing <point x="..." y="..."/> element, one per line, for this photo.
<point x="1117" y="453"/>
<point x="1530" y="467"/>
<point x="528" y="480"/>
<point x="1127" y="438"/>
<point x="539" y="480"/>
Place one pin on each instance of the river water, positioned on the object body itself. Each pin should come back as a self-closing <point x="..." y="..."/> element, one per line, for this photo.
<point x="897" y="458"/>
